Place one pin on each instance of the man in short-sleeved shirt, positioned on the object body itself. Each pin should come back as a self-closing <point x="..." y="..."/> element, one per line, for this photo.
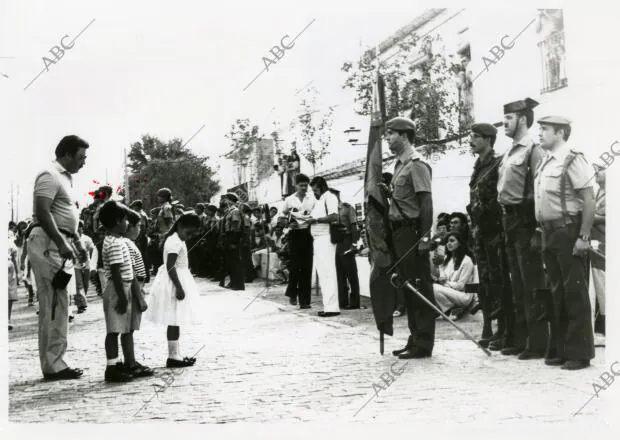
<point x="565" y="174"/>
<point x="411" y="219"/>
<point x="54" y="239"/>
<point x="525" y="335"/>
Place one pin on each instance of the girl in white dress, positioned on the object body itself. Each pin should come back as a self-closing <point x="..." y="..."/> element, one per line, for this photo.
<point x="456" y="271"/>
<point x="174" y="294"/>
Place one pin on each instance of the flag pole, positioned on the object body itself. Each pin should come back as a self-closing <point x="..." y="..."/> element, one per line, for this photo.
<point x="381" y="334"/>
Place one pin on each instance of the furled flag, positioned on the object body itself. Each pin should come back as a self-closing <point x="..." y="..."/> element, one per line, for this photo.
<point x="382" y="293"/>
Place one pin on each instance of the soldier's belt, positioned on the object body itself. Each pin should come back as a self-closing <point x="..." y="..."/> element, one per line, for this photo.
<point x="402" y="223"/>
<point x="512" y="209"/>
<point x="560" y="223"/>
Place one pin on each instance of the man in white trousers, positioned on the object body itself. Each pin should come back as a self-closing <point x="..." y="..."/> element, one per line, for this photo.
<point x="325" y="212"/>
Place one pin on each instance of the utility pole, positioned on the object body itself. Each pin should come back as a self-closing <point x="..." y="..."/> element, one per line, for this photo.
<point x="12" y="212"/>
<point x="126" y="176"/>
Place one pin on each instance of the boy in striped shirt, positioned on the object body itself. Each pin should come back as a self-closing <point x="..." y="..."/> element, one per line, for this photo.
<point x="139" y="304"/>
<point x="117" y="296"/>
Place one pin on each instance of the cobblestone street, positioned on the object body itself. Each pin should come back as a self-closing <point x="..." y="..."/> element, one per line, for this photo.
<point x="274" y="362"/>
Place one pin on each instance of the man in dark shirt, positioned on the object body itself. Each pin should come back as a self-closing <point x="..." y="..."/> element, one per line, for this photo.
<point x="494" y="290"/>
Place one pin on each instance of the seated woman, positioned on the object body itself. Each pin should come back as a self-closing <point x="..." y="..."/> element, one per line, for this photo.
<point x="456" y="271"/>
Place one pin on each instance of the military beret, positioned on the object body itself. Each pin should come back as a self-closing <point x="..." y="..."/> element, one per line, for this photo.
<point x="519" y="106"/>
<point x="555" y="120"/>
<point x="211" y="207"/>
<point x="400" y="124"/>
<point x="231" y="196"/>
<point x="484" y="129"/>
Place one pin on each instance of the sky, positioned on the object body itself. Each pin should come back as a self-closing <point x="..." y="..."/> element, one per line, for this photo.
<point x="168" y="69"/>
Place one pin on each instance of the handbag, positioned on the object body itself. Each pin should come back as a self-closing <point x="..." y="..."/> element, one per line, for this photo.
<point x="59" y="282"/>
<point x="337" y="231"/>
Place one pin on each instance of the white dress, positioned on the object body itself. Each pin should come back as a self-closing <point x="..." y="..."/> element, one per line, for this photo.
<point x="163" y="306"/>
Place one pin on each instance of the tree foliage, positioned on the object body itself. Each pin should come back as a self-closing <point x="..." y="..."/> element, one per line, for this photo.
<point x="314" y="127"/>
<point x="156" y="165"/>
<point x="243" y="136"/>
<point x="420" y="84"/>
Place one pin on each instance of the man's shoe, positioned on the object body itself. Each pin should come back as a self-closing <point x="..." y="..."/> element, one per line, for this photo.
<point x="66" y="374"/>
<point x="576" y="365"/>
<point x="496" y="344"/>
<point x="405" y="348"/>
<point x="292" y="301"/>
<point x="305" y="306"/>
<point x="508" y="351"/>
<point x="327" y="314"/>
<point x="415" y="353"/>
<point x="116" y="373"/>
<point x="350" y="307"/>
<point x="526" y="355"/>
<point x="554" y="361"/>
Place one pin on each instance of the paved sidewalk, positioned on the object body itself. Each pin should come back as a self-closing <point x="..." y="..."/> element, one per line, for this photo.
<point x="274" y="362"/>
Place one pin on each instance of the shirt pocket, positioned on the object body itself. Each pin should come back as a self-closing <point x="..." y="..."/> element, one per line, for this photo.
<point x="402" y="187"/>
<point x="518" y="160"/>
<point x="551" y="181"/>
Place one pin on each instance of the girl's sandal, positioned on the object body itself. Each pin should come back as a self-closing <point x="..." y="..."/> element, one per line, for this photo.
<point x="175" y="363"/>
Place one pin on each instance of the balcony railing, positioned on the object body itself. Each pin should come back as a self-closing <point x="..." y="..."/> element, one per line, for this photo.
<point x="553" y="58"/>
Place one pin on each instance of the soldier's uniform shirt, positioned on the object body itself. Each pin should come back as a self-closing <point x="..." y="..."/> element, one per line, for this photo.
<point x="411" y="176"/>
<point x="547" y="184"/>
<point x="513" y="171"/>
<point x="165" y="212"/>
<point x="483" y="206"/>
<point x="233" y="221"/>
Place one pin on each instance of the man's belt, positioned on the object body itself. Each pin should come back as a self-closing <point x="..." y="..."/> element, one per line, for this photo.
<point x="511" y="209"/>
<point x="560" y="223"/>
<point x="71" y="235"/>
<point x="402" y="223"/>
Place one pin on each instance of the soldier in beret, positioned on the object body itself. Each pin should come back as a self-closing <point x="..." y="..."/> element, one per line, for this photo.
<point x="231" y="231"/>
<point x="565" y="212"/>
<point x="488" y="243"/>
<point x="246" y="243"/>
<point x="525" y="336"/>
<point x="411" y="218"/>
<point x="211" y="231"/>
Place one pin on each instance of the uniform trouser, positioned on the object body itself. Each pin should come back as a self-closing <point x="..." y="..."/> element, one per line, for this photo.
<point x="81" y="284"/>
<point x="526" y="274"/>
<point x="234" y="266"/>
<point x="494" y="276"/>
<point x="45" y="260"/>
<point x="248" y="265"/>
<point x="211" y="263"/>
<point x="142" y="243"/>
<point x="420" y="317"/>
<point x="300" y="268"/>
<point x="325" y="264"/>
<point x="193" y="254"/>
<point x="346" y="271"/>
<point x="572" y="336"/>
